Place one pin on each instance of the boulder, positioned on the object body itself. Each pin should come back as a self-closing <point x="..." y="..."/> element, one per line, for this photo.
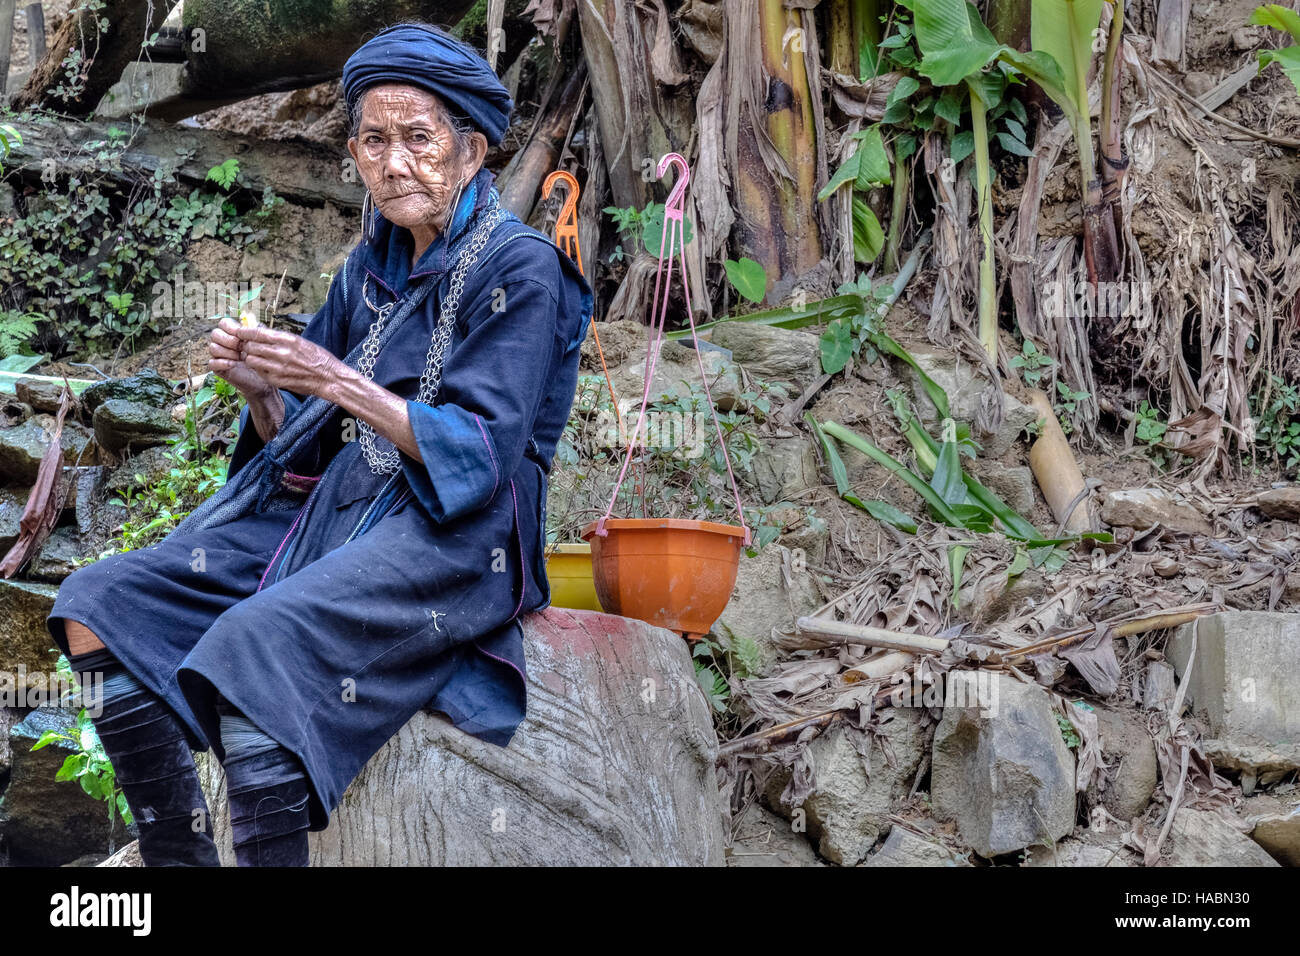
<point x="854" y="794"/>
<point x="1014" y="484"/>
<point x="764" y="839"/>
<point x="1002" y="771"/>
<point x="139" y="470"/>
<point x="772" y="354"/>
<point x="783" y="467"/>
<point x="23" y="446"/>
<point x="42" y="396"/>
<point x="613" y="765"/>
<point x="1207" y="838"/>
<point x="121" y="425"/>
<point x="88" y="483"/>
<point x="58" y="557"/>
<point x="1131" y="756"/>
<point x="146" y="387"/>
<point x="1242" y="681"/>
<point x="26" y="648"/>
<point x="13" y="500"/>
<point x="676" y="372"/>
<point x="964" y="384"/>
<point x="904" y="848"/>
<point x="1087" y="849"/>
<point x="43" y="821"/>
<point x="1275" y="825"/>
<point x="1142" y="508"/>
<point x="1281" y="504"/>
<point x="762" y="602"/>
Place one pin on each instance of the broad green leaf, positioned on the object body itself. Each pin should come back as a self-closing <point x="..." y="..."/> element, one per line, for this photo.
<point x="884" y="511"/>
<point x="838" y="471"/>
<point x="950" y="105"/>
<point x="953" y="40"/>
<point x="1288" y="59"/>
<point x="1278" y="17"/>
<point x="957" y="564"/>
<point x="47" y="738"/>
<point x="1019" y="564"/>
<point x="836" y="346"/>
<point x="905" y="88"/>
<point x="748" y="277"/>
<point x="963" y="144"/>
<point x="946" y="481"/>
<point x="1013" y="145"/>
<point x="873" y="164"/>
<point x="868" y="236"/>
<point x="1063" y="30"/>
<point x="847" y="172"/>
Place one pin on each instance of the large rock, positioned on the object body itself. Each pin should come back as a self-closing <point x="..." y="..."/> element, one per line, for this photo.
<point x="45" y="822"/>
<point x="1207" y="838"/>
<point x="904" y="848"/>
<point x="1143" y="508"/>
<point x="23" y="446"/>
<point x="1087" y="849"/>
<point x="771" y="354"/>
<point x="853" y="796"/>
<point x="964" y="384"/>
<point x="1275" y="825"/>
<point x="121" y="425"/>
<point x="676" y="372"/>
<point x="146" y="387"/>
<point x="12" y="502"/>
<point x="1002" y="771"/>
<point x="784" y="467"/>
<point x="762" y="602"/>
<point x="1281" y="504"/>
<point x="764" y="839"/>
<point x="41" y="395"/>
<point x="1243" y="682"/>
<point x="26" y="648"/>
<point x="614" y="765"/>
<point x="1131" y="755"/>
<point x="148" y="467"/>
<point x="59" y="556"/>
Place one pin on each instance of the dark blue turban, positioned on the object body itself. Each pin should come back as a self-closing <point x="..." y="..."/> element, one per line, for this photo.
<point x="442" y="65"/>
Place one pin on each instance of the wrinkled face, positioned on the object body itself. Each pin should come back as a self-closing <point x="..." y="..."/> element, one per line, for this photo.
<point x="406" y="155"/>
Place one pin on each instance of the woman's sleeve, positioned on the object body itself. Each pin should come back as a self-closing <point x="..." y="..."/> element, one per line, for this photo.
<point x="327" y="328"/>
<point x="493" y="383"/>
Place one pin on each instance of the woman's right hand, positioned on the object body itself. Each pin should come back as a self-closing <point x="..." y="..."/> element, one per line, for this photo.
<point x="227" y="361"/>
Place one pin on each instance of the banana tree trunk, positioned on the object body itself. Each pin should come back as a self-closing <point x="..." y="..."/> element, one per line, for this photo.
<point x="774" y="149"/>
<point x="103" y="55"/>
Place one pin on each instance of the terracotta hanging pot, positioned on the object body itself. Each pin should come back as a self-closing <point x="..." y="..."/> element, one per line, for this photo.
<point x="568" y="568"/>
<point x="672" y="572"/>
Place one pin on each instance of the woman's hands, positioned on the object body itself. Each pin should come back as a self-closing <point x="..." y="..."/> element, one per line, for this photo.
<point x="227" y="360"/>
<point x="288" y="361"/>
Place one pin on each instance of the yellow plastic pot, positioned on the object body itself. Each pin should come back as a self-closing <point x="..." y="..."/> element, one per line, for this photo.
<point x="568" y="568"/>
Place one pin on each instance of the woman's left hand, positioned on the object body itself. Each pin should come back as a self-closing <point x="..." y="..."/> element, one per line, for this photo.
<point x="289" y="361"/>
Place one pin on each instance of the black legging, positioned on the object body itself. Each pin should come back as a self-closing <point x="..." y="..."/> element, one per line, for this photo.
<point x="265" y="783"/>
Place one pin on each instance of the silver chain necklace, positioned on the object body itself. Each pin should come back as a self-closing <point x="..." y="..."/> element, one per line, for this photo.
<point x="388" y="461"/>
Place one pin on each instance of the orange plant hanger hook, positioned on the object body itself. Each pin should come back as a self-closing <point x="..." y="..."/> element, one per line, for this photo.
<point x="566" y="237"/>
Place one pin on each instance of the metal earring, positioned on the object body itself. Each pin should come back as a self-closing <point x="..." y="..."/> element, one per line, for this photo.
<point x="455" y="203"/>
<point x="368" y="217"/>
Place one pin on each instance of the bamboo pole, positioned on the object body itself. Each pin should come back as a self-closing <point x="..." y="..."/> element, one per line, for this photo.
<point x="872" y="636"/>
<point x="1055" y="470"/>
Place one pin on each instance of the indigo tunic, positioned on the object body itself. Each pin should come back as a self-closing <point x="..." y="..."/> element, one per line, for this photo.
<point x="330" y="604"/>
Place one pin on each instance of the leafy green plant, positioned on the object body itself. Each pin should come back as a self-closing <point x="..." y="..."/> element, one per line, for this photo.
<point x="1067" y="404"/>
<point x="867" y="169"/>
<point x="1277" y="423"/>
<point x="224" y="174"/>
<point x="846" y="338"/>
<point x="957" y="48"/>
<point x="1068" y="733"/>
<point x="643" y="228"/>
<point x="1031" y="363"/>
<point x="16" y="330"/>
<point x="9" y="137"/>
<point x="713" y="662"/>
<point x="1287" y="20"/>
<point x="88" y="765"/>
<point x="748" y="278"/>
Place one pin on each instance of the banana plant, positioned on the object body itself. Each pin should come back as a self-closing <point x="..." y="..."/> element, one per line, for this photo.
<point x="1281" y="18"/>
<point x="958" y="49"/>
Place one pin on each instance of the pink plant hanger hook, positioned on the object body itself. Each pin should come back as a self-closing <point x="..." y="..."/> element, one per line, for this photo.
<point x="673" y="229"/>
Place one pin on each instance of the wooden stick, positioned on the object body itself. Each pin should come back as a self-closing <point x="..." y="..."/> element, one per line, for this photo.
<point x="872" y="636"/>
<point x="878" y="667"/>
<point x="35" y="33"/>
<point x="1151" y="622"/>
<point x="1055" y="469"/>
<point x="6" y="41"/>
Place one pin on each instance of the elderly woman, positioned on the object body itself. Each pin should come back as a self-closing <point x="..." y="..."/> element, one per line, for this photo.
<point x="382" y="528"/>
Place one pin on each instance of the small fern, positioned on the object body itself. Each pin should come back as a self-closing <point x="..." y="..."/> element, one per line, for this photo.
<point x="16" y="330"/>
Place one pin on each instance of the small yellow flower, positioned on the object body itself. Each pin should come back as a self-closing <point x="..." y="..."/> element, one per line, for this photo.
<point x="248" y="319"/>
